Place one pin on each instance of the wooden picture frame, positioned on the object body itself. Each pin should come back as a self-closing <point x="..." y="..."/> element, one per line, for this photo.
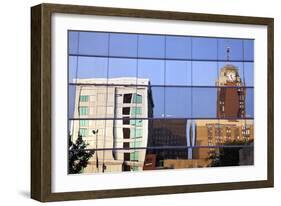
<point x="41" y="98"/>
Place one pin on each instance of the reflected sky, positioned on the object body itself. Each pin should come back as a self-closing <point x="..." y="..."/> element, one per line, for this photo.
<point x="169" y="62"/>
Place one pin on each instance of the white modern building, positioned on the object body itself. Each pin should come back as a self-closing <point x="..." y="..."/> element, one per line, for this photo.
<point x="102" y="109"/>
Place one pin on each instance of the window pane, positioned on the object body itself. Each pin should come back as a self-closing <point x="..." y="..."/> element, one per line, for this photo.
<point x="136" y="122"/>
<point x="168" y="132"/>
<point x="93" y="43"/>
<point x="152" y="70"/>
<point x="127" y="98"/>
<point x="126" y="121"/>
<point x="136" y="111"/>
<point x="137" y="98"/>
<point x="72" y="68"/>
<point x="126" y="145"/>
<point x="178" y="47"/>
<point x="144" y="100"/>
<point x="151" y="46"/>
<point x="126" y="110"/>
<point x="84" y="122"/>
<point x="249" y="100"/>
<point x="158" y="101"/>
<point x="83" y="111"/>
<point x="73" y="42"/>
<point x="134" y="156"/>
<point x="124" y="69"/>
<point x="204" y="48"/>
<point x="84" y="98"/>
<point x="83" y="132"/>
<point x="178" y="73"/>
<point x="249" y="74"/>
<point x="136" y="132"/>
<point x="177" y="102"/>
<point x="136" y="144"/>
<point x="204" y="102"/>
<point x="124" y="45"/>
<point x="126" y="133"/>
<point x="249" y="50"/>
<point x="204" y="73"/>
<point x="71" y="100"/>
<point x="230" y="49"/>
<point x="88" y="67"/>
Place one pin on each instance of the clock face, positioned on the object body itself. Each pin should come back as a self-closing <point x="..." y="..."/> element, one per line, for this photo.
<point x="231" y="76"/>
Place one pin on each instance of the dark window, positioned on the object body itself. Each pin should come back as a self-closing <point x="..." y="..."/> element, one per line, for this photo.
<point x="126" y="133"/>
<point x="126" y="156"/>
<point x="126" y="167"/>
<point x="127" y="98"/>
<point x="126" y="110"/>
<point x="126" y="145"/>
<point x="126" y="121"/>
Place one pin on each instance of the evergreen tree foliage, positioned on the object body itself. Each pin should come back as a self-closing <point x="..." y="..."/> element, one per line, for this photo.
<point x="78" y="155"/>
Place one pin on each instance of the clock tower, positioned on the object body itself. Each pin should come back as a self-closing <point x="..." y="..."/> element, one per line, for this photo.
<point x="231" y="93"/>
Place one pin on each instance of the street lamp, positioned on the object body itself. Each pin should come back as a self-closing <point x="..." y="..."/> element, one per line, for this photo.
<point x="95" y="132"/>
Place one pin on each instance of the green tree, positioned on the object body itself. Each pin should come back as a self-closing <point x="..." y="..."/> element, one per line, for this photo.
<point x="78" y="155"/>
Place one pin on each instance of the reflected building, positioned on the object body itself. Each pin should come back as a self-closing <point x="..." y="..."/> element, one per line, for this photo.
<point x="103" y="108"/>
<point x="218" y="132"/>
<point x="204" y="135"/>
<point x="229" y="125"/>
<point x="167" y="141"/>
<point x="231" y="93"/>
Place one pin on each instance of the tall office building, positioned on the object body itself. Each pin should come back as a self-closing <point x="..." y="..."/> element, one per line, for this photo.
<point x="103" y="108"/>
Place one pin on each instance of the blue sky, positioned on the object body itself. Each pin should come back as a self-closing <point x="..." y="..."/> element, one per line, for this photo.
<point x="166" y="61"/>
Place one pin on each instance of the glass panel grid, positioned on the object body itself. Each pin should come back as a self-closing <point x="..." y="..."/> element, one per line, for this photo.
<point x="197" y="79"/>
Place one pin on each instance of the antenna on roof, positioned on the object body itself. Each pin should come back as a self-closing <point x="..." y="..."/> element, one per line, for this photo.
<point x="227" y="53"/>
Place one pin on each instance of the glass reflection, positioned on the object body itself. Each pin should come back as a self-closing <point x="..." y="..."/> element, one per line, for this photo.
<point x="178" y="73"/>
<point x="73" y="42"/>
<point x="153" y="70"/>
<point x="235" y="48"/>
<point x="151" y="46"/>
<point x="122" y="68"/>
<point x="159" y="144"/>
<point x="231" y="73"/>
<point x="93" y="43"/>
<point x="178" y="47"/>
<point x="148" y="102"/>
<point x="204" y="102"/>
<point x="204" y="48"/>
<point x="249" y="101"/>
<point x="158" y="100"/>
<point x="123" y="45"/>
<point x="249" y="74"/>
<point x="177" y="102"/>
<point x="87" y="67"/>
<point x="248" y="50"/>
<point x="204" y="73"/>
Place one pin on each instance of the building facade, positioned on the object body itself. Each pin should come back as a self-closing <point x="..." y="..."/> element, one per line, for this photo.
<point x="229" y="126"/>
<point x="231" y="93"/>
<point x="106" y="115"/>
<point x="166" y="140"/>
